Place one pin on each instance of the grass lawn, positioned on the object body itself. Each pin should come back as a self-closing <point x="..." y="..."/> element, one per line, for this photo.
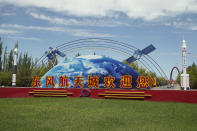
<point x="26" y="114"/>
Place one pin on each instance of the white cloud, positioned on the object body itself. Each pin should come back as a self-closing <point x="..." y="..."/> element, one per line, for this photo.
<point x="24" y="38"/>
<point x="169" y="54"/>
<point x="83" y="22"/>
<point x="5" y="31"/>
<point x="189" y="25"/>
<point x="8" y="14"/>
<point x="74" y="32"/>
<point x="32" y="27"/>
<point x="145" y="9"/>
<point x="91" y="34"/>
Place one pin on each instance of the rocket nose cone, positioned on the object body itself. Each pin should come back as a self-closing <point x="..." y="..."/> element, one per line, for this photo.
<point x="15" y="51"/>
<point x="184" y="44"/>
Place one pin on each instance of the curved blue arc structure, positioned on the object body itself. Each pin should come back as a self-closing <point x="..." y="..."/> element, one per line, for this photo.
<point x="125" y="52"/>
<point x="115" y="46"/>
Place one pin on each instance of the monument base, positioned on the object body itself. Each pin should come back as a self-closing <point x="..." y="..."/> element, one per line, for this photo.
<point x="149" y="95"/>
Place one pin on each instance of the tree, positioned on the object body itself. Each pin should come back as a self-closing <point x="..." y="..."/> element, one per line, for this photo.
<point x="52" y="63"/>
<point x="5" y="78"/>
<point x="5" y="60"/>
<point x="143" y="72"/>
<point x="16" y="45"/>
<point x="1" y="48"/>
<point x="10" y="61"/>
<point x="24" y="72"/>
<point x="133" y="65"/>
<point x="20" y="59"/>
<point x="192" y="71"/>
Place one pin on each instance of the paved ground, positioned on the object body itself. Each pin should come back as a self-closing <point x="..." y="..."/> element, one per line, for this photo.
<point x="174" y="87"/>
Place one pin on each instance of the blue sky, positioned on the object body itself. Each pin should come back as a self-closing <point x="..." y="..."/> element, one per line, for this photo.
<point x="36" y="25"/>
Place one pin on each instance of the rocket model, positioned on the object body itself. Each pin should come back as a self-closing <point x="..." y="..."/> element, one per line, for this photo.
<point x="15" y="67"/>
<point x="184" y="75"/>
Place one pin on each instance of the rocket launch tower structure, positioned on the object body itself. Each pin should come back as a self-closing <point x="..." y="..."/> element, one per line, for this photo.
<point x="184" y="75"/>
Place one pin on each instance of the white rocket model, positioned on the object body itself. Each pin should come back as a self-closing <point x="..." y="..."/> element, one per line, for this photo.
<point x="184" y="75"/>
<point x="15" y="67"/>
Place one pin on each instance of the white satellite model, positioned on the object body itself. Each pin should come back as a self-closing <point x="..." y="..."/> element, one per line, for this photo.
<point x="52" y="52"/>
<point x="139" y="53"/>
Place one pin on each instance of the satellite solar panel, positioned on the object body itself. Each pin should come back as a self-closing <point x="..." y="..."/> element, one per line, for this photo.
<point x="131" y="59"/>
<point x="50" y="56"/>
<point x="148" y="49"/>
<point x="50" y="48"/>
<point x="59" y="53"/>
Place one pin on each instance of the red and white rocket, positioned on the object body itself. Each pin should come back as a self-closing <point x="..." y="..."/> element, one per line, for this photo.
<point x="15" y="67"/>
<point x="184" y="75"/>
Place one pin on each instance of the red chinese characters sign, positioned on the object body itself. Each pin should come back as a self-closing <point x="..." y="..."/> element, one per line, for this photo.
<point x="126" y="81"/>
<point x="36" y="81"/>
<point x="63" y="81"/>
<point x="78" y="81"/>
<point x="145" y="82"/>
<point x="50" y="81"/>
<point x="109" y="81"/>
<point x="93" y="82"/>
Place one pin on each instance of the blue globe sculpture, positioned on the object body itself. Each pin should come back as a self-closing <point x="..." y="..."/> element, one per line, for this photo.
<point x="90" y="65"/>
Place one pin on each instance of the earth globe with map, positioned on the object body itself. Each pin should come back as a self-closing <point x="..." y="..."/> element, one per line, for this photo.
<point x="86" y="65"/>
